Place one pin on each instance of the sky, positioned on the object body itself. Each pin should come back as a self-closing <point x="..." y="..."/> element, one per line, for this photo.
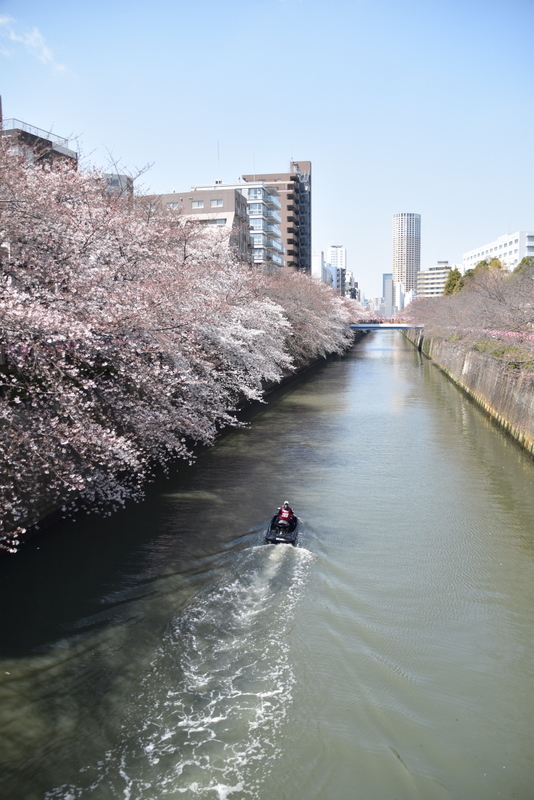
<point x="423" y="106"/>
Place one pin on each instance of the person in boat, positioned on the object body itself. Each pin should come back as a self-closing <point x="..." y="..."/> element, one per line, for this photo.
<point x="285" y="513"/>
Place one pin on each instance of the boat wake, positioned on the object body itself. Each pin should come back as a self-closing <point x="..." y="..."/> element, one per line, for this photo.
<point x="208" y="719"/>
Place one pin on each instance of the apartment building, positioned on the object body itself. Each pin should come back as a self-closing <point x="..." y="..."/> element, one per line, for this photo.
<point x="250" y="210"/>
<point x="294" y="191"/>
<point x="36" y="144"/>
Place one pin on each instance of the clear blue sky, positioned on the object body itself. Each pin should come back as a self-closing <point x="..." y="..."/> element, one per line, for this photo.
<point x="401" y="105"/>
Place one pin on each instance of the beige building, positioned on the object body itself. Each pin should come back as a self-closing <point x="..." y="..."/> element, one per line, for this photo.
<point x="294" y="190"/>
<point x="431" y="282"/>
<point x="217" y="205"/>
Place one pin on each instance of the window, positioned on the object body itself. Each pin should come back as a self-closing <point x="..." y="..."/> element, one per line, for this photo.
<point x="217" y="221"/>
<point x="173" y="205"/>
<point x="216" y="203"/>
<point x="197" y="204"/>
<point x="255" y="194"/>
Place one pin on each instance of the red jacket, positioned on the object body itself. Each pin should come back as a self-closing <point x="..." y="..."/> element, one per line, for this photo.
<point x="285" y="514"/>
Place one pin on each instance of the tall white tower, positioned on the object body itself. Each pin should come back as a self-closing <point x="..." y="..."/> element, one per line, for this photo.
<point x="406" y="249"/>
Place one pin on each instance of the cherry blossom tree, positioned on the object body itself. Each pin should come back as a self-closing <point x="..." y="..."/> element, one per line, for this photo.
<point x="318" y="316"/>
<point x="128" y="333"/>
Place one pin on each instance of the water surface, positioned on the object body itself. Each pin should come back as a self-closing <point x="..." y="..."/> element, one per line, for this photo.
<point x="165" y="652"/>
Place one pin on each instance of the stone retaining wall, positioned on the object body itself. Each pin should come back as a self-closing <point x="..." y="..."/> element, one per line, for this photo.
<point x="506" y="395"/>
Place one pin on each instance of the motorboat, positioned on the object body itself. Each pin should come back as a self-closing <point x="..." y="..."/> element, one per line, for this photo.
<point x="282" y="532"/>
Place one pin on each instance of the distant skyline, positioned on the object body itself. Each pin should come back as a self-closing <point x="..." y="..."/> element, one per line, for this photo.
<point x="414" y="106"/>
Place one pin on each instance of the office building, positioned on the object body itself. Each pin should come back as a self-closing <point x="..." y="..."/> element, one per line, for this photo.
<point x="337" y="256"/>
<point x="320" y="269"/>
<point x="510" y="249"/>
<point x="294" y="191"/>
<point x="406" y="251"/>
<point x="431" y="282"/>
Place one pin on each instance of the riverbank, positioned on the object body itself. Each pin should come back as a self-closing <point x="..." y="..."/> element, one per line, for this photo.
<point x="500" y="387"/>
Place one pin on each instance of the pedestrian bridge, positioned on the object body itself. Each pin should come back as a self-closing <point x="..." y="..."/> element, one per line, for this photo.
<point x="384" y="326"/>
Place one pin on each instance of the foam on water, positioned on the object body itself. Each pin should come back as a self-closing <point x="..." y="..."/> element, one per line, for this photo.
<point x="208" y="718"/>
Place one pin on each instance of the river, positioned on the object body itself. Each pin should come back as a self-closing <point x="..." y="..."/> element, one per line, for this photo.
<point x="166" y="652"/>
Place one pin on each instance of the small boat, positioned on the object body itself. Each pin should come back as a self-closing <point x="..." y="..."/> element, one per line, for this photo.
<point x="281" y="532"/>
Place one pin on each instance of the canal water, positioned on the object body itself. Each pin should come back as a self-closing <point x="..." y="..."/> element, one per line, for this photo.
<point x="166" y="652"/>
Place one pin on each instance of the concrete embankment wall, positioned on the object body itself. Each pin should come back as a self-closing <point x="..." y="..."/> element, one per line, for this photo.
<point x="506" y="395"/>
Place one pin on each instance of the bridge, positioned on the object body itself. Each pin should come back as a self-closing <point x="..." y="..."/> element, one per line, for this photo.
<point x="384" y="326"/>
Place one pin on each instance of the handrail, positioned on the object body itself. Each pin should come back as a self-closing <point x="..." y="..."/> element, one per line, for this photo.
<point x="18" y="125"/>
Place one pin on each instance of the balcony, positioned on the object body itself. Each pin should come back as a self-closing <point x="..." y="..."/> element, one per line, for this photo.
<point x="272" y="200"/>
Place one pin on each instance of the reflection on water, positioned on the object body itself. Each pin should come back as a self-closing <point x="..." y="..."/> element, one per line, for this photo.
<point x="167" y="652"/>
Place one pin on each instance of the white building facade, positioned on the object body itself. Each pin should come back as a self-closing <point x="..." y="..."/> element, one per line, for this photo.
<point x="337" y="259"/>
<point x="320" y="269"/>
<point x="510" y="249"/>
<point x="337" y="256"/>
<point x="431" y="282"/>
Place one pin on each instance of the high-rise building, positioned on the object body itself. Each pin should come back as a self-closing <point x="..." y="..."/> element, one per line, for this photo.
<point x="386" y="276"/>
<point x="294" y="191"/>
<point x="406" y="250"/>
